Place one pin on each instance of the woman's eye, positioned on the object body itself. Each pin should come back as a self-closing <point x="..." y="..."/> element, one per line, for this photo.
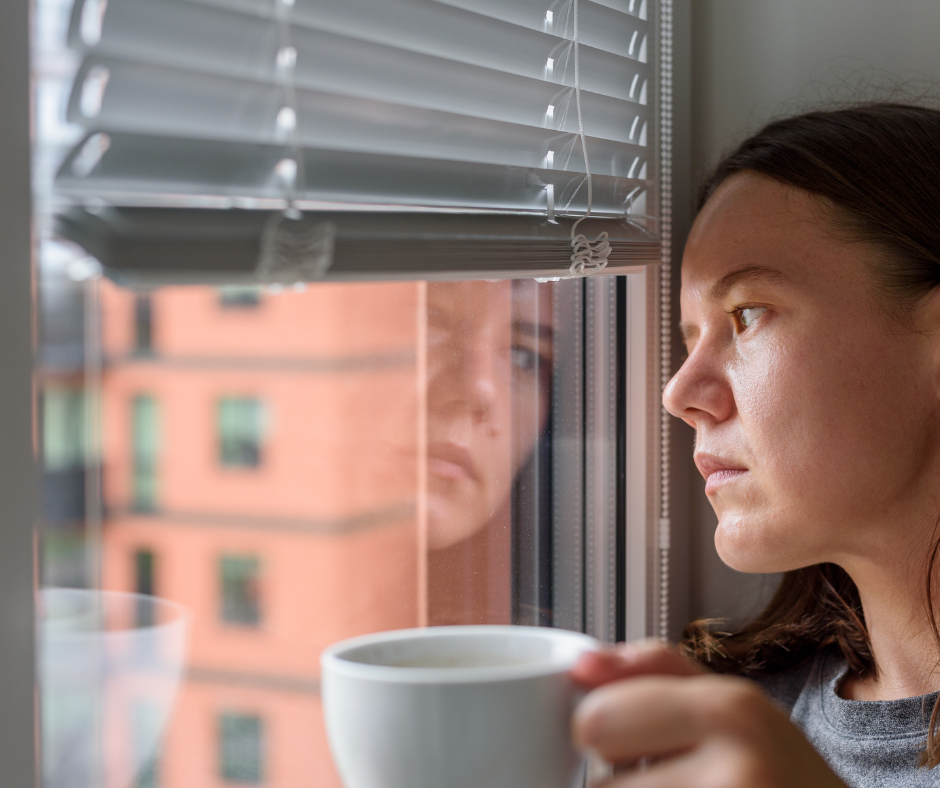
<point x="524" y="359"/>
<point x="748" y="315"/>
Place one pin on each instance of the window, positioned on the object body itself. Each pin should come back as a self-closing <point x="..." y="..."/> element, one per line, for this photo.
<point x="241" y="748"/>
<point x="145" y="728"/>
<point x="379" y="400"/>
<point x="63" y="420"/>
<point x="144" y="437"/>
<point x="64" y="448"/>
<point x="241" y="432"/>
<point x="239" y="297"/>
<point x="144" y="583"/>
<point x="143" y="324"/>
<point x="240" y="585"/>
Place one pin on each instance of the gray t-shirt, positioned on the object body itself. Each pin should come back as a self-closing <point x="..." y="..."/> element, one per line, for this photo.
<point x="869" y="744"/>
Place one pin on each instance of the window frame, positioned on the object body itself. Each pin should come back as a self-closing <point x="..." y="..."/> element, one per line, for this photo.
<point x="636" y="582"/>
<point x="18" y="482"/>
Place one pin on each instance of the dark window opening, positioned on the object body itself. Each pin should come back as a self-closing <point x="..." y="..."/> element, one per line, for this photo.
<point x="240" y="580"/>
<point x="143" y="324"/>
<point x="239" y="296"/>
<point x="144" y="447"/>
<point x="240" y="423"/>
<point x="241" y="748"/>
<point x="144" y="583"/>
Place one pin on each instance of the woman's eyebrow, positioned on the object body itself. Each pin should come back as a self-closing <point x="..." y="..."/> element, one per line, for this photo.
<point x="538" y="330"/>
<point x="722" y="287"/>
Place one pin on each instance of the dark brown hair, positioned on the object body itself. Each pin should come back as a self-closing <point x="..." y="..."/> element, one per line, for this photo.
<point x="877" y="169"/>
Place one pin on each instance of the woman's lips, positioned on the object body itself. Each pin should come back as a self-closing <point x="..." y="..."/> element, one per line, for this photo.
<point x="717" y="470"/>
<point x="450" y="461"/>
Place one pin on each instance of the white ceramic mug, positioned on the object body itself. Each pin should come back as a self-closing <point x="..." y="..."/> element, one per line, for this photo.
<point x="454" y="707"/>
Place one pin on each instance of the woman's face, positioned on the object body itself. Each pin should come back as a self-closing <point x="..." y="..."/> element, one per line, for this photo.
<point x="489" y="375"/>
<point x="815" y="413"/>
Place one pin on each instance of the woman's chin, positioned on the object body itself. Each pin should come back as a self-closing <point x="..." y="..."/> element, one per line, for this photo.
<point x="748" y="545"/>
<point x="449" y="524"/>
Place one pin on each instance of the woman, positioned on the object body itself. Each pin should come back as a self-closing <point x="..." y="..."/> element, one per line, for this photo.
<point x="489" y="368"/>
<point x="811" y="313"/>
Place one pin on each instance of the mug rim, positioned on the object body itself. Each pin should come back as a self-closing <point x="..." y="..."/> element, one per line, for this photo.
<point x="332" y="658"/>
<point x="181" y="616"/>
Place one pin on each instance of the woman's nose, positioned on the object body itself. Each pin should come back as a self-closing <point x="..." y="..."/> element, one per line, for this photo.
<point x="465" y="377"/>
<point x="479" y="378"/>
<point x="699" y="392"/>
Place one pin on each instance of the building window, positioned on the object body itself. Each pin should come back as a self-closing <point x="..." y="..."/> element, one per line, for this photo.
<point x="241" y="431"/>
<point x="241" y="748"/>
<point x="144" y="583"/>
<point x="146" y="737"/>
<point x="63" y="427"/>
<point x="143" y="324"/>
<point x="240" y="581"/>
<point x="144" y="430"/>
<point x="64" y="449"/>
<point x="239" y="296"/>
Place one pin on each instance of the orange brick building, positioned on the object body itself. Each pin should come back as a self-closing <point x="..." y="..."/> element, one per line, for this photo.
<point x="278" y="464"/>
<point x="315" y="522"/>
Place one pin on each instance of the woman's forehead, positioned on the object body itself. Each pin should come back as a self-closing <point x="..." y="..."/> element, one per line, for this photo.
<point x="755" y="224"/>
<point x="492" y="302"/>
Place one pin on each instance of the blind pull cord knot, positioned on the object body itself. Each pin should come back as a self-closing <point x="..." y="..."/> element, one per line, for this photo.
<point x="587" y="257"/>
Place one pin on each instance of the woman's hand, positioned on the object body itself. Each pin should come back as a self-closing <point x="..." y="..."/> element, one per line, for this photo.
<point x="696" y="729"/>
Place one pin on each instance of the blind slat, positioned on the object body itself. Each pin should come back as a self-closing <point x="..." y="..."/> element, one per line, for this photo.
<point x="159" y="246"/>
<point x="139" y="87"/>
<point x="191" y="35"/>
<point x="604" y="25"/>
<point x="161" y="170"/>
<point x="158" y="101"/>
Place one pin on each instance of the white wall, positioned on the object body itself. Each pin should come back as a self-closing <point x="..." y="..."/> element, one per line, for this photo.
<point x="753" y="59"/>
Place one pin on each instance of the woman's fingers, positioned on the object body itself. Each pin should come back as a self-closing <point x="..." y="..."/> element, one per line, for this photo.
<point x="711" y="767"/>
<point x="704" y="730"/>
<point x="716" y="765"/>
<point x="722" y="763"/>
<point x="655" y="716"/>
<point x="626" y="660"/>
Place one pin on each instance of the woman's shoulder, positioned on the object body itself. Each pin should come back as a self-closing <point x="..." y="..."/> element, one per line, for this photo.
<point x="785" y="686"/>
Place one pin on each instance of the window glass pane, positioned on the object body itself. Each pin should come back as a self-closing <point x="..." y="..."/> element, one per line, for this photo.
<point x="145" y="584"/>
<point x="146" y="725"/>
<point x="240" y="423"/>
<point x="413" y="449"/>
<point x="236" y="477"/>
<point x="144" y="439"/>
<point x="143" y="324"/>
<point x="239" y="296"/>
<point x="63" y="419"/>
<point x="241" y="748"/>
<point x="240" y="578"/>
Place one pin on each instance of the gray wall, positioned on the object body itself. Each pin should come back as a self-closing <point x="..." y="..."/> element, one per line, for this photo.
<point x="751" y="60"/>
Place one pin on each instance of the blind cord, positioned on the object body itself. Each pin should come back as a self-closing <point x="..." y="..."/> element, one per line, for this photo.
<point x="588" y="257"/>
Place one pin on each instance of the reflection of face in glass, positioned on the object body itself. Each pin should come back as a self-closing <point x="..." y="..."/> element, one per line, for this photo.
<point x="489" y="378"/>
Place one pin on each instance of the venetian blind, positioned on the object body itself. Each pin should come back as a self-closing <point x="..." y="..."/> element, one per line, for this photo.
<point x="356" y="138"/>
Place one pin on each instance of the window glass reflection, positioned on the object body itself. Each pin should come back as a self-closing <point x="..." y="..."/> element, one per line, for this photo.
<point x="298" y="467"/>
